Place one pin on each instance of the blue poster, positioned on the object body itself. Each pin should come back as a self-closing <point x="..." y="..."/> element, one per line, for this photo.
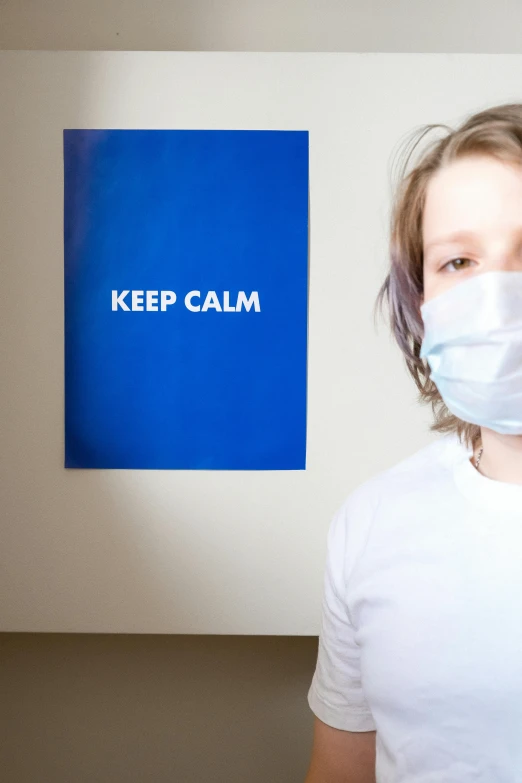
<point x="186" y="299"/>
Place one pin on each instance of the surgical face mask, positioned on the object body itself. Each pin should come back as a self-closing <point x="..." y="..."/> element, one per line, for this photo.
<point x="473" y="345"/>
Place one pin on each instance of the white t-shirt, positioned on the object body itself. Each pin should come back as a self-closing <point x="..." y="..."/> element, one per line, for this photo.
<point x="421" y="634"/>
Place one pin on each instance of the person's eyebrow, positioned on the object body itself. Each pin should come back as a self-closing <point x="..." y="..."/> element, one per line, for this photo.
<point x="457" y="236"/>
<point x="462" y="236"/>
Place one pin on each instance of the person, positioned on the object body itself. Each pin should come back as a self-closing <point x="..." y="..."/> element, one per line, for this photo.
<point x="419" y="665"/>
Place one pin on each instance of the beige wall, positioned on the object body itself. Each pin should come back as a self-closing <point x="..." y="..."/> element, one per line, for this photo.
<point x="118" y="708"/>
<point x="263" y="25"/>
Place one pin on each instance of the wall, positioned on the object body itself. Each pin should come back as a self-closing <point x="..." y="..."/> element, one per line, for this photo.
<point x="263" y="25"/>
<point x="206" y="551"/>
<point x="125" y="708"/>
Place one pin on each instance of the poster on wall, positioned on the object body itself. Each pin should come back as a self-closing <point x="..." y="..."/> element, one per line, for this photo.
<point x="186" y="299"/>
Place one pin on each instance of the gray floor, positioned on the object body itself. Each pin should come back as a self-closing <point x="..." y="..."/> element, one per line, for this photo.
<point x="85" y="708"/>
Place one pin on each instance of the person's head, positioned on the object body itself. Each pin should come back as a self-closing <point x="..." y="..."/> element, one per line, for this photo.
<point x="457" y="213"/>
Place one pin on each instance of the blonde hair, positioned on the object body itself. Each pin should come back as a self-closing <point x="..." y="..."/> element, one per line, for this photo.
<point x="496" y="132"/>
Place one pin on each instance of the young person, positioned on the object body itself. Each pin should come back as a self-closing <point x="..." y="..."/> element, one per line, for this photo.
<point x="419" y="668"/>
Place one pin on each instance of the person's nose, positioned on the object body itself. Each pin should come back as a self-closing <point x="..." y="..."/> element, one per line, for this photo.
<point x="506" y="262"/>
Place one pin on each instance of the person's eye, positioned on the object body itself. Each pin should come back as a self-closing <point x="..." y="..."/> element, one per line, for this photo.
<point x="453" y="261"/>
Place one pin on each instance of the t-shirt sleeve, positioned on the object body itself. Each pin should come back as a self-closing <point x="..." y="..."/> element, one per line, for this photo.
<point x="336" y="696"/>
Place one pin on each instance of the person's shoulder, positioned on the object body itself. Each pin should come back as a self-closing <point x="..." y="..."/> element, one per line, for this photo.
<point x="425" y="464"/>
<point x="425" y="467"/>
<point x="404" y="485"/>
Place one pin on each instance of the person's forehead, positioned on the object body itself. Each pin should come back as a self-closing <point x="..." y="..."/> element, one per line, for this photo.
<point x="468" y="196"/>
<point x="475" y="174"/>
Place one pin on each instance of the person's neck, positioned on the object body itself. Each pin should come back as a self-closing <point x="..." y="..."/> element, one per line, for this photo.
<point x="501" y="458"/>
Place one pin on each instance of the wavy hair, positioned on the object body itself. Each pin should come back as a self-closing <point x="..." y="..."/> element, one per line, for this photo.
<point x="496" y="131"/>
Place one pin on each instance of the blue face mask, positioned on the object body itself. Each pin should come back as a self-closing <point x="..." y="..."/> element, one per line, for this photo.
<point x="473" y="345"/>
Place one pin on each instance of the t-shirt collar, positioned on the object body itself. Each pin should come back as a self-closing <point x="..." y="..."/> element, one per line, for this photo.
<point x="485" y="492"/>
